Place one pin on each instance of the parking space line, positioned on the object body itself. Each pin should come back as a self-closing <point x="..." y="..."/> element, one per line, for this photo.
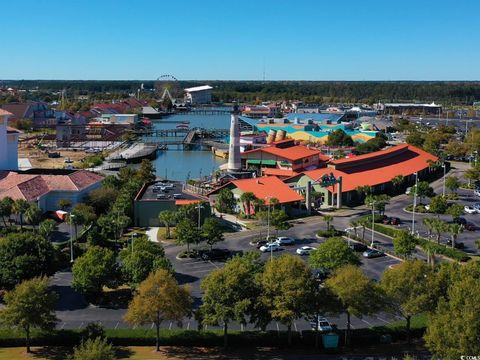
<point x="81" y="325"/>
<point x="295" y="326"/>
<point x="170" y="326"/>
<point x="218" y="267"/>
<point x="385" y="321"/>
<point x="153" y="324"/>
<point x="116" y="325"/>
<point x="241" y="327"/>
<point x="63" y="325"/>
<point x="188" y="325"/>
<point x="278" y="328"/>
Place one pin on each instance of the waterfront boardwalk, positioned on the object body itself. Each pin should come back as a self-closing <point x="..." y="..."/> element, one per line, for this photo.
<point x="133" y="152"/>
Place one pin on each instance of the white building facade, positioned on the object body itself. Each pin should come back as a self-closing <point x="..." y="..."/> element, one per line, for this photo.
<point x="199" y="94"/>
<point x="8" y="143"/>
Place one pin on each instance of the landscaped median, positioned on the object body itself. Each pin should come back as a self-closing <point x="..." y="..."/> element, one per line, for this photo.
<point x="446" y="251"/>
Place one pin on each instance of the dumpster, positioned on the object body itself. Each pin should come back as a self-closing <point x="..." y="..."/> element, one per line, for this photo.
<point x="330" y="341"/>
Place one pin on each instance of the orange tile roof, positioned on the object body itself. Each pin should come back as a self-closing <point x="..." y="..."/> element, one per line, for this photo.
<point x="378" y="172"/>
<point x="267" y="187"/>
<point x="5" y="112"/>
<point x="278" y="172"/>
<point x="373" y="155"/>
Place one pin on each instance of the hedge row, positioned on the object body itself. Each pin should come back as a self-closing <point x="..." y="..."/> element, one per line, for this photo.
<point x="211" y="338"/>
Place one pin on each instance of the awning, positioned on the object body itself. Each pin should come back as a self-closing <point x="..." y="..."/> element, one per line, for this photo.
<point x="261" y="162"/>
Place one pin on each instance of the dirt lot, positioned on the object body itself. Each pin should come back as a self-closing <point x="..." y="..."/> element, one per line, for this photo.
<point x="39" y="158"/>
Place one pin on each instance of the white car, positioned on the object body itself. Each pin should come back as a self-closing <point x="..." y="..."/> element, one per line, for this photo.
<point x="408" y="191"/>
<point x="270" y="247"/>
<point x="477" y="192"/>
<point x="305" y="250"/>
<point x="323" y="325"/>
<point x="470" y="209"/>
<point x="284" y="240"/>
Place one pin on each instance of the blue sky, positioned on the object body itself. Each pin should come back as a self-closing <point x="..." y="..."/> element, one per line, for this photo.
<point x="234" y="39"/>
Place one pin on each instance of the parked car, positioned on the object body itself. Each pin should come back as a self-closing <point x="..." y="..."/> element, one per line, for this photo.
<point x="305" y="250"/>
<point x="284" y="240"/>
<point x="460" y="221"/>
<point x="477" y="206"/>
<point x="356" y="246"/>
<point x="391" y="221"/>
<point x="178" y="196"/>
<point x="477" y="192"/>
<point x="469" y="227"/>
<point x="408" y="191"/>
<point x="270" y="247"/>
<point x="320" y="274"/>
<point x="470" y="210"/>
<point x="458" y="245"/>
<point x="215" y="254"/>
<point x="260" y="243"/>
<point x="323" y="324"/>
<point x="373" y="253"/>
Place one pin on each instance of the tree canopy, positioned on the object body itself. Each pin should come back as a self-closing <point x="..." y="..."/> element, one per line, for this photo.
<point x="332" y="254"/>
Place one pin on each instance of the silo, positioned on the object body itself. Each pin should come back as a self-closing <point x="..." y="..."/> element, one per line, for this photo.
<point x="271" y="136"/>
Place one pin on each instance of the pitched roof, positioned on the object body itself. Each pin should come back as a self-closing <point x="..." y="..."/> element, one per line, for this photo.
<point x="5" y="112"/>
<point x="376" y="168"/>
<point x="291" y="153"/>
<point x="32" y="186"/>
<point x="182" y="202"/>
<point x="18" y="110"/>
<point x="268" y="187"/>
<point x="278" y="172"/>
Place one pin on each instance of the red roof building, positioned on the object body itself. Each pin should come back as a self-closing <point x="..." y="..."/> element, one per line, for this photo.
<point x="375" y="169"/>
<point x="46" y="189"/>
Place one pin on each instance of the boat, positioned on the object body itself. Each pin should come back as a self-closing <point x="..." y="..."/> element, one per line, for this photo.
<point x="183" y="126"/>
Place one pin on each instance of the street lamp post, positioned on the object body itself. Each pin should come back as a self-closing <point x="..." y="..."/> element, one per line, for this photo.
<point x="134" y="235"/>
<point x="199" y="207"/>
<point x="71" y="216"/>
<point x="373" y="221"/>
<point x="268" y="227"/>
<point x="444" y="166"/>
<point x="414" y="203"/>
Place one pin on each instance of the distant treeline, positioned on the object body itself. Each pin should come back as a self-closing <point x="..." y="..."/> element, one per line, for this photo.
<point x="446" y="92"/>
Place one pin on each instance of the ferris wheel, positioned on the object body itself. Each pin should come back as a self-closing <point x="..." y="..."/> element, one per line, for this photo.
<point x="169" y="86"/>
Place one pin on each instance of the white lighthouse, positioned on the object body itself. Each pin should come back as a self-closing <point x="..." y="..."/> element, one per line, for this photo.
<point x="234" y="159"/>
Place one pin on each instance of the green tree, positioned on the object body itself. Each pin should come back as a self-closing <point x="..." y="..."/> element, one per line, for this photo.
<point x="102" y="199"/>
<point x="328" y="219"/>
<point x="212" y="231"/>
<point x="332" y="254"/>
<point x="438" y="205"/>
<point x="143" y="258"/>
<point x="247" y="198"/>
<point x="452" y="183"/>
<point x="33" y="215"/>
<point x="472" y="174"/>
<point x="64" y="204"/>
<point x="225" y="202"/>
<point x="408" y="289"/>
<point x="423" y="189"/>
<point x="439" y="227"/>
<point x="279" y="220"/>
<point x="454" y="230"/>
<point x="167" y="218"/>
<point x="84" y="214"/>
<point x="46" y="228"/>
<point x="24" y="256"/>
<point x="357" y="294"/>
<point x="187" y="233"/>
<point x="363" y="191"/>
<point x="397" y="182"/>
<point x="455" y="211"/>
<point x="230" y="292"/>
<point x="30" y="305"/>
<point x="404" y="243"/>
<point x="285" y="285"/>
<point x="339" y="138"/>
<point x="452" y="330"/>
<point x="159" y="298"/>
<point x="93" y="270"/>
<point x="415" y="138"/>
<point x="378" y="202"/>
<point x="19" y="207"/>
<point x="146" y="172"/>
<point x="94" y="349"/>
<point x="6" y="209"/>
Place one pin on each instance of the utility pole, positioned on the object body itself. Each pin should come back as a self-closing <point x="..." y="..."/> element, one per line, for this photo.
<point x="414" y="203"/>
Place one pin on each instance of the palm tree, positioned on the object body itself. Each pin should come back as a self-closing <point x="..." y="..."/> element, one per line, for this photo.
<point x="397" y="181"/>
<point x="428" y="224"/>
<point x="429" y="250"/>
<point x="33" y="215"/>
<point x="363" y="223"/>
<point x="439" y="227"/>
<point x="167" y="218"/>
<point x="454" y="230"/>
<point x="46" y="228"/>
<point x="20" y="206"/>
<point x="258" y="203"/>
<point x="328" y="219"/>
<point x="247" y="198"/>
<point x="64" y="204"/>
<point x="6" y="205"/>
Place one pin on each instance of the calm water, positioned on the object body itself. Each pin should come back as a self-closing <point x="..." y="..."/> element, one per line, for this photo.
<point x="177" y="164"/>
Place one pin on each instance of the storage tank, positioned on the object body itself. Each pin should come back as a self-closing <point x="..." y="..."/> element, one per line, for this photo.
<point x="281" y="134"/>
<point x="271" y="136"/>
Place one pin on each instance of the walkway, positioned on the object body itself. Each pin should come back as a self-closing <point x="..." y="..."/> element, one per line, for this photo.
<point x="152" y="234"/>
